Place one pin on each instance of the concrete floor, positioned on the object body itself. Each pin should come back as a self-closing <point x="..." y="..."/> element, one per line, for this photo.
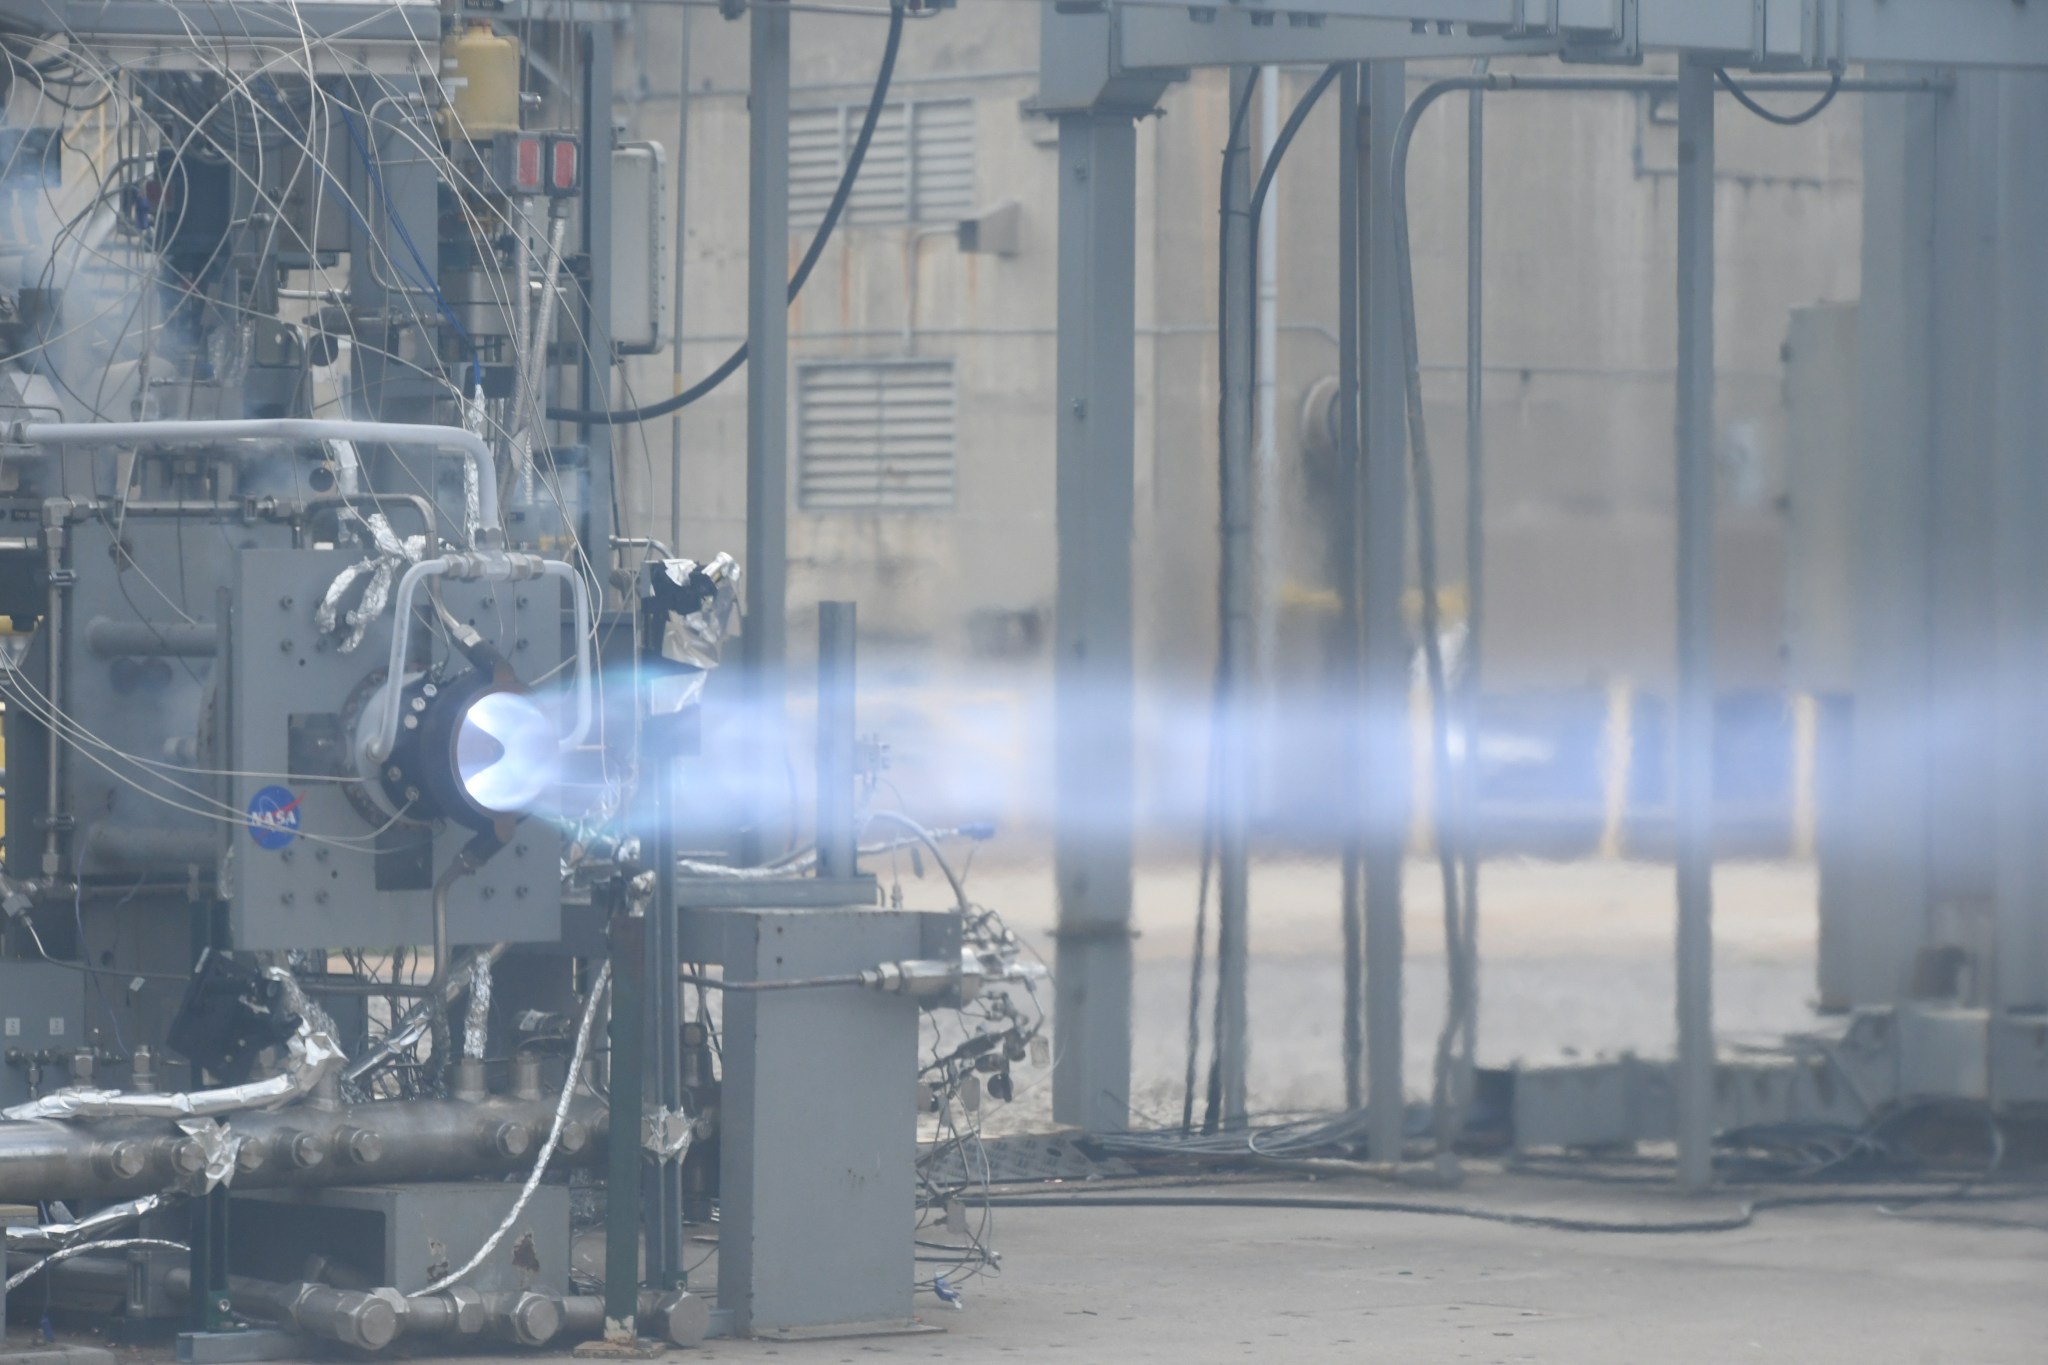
<point x="1814" y="1286"/>
<point x="1577" y="956"/>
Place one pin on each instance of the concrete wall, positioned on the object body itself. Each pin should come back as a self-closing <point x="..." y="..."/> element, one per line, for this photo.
<point x="1579" y="322"/>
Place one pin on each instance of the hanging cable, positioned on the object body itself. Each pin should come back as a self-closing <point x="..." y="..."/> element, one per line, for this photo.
<point x="1226" y="685"/>
<point x="840" y="195"/>
<point x="1743" y="98"/>
<point x="1231" y="151"/>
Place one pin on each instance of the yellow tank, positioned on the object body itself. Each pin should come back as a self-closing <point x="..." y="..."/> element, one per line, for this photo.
<point x="482" y="70"/>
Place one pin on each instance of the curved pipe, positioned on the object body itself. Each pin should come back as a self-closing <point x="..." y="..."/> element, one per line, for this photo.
<point x="478" y="568"/>
<point x="471" y="446"/>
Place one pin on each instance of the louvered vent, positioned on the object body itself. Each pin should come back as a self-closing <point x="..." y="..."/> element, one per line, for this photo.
<point x="933" y="184"/>
<point x="875" y="435"/>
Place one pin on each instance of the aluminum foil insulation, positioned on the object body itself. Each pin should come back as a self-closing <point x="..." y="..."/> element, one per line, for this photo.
<point x="476" y="1027"/>
<point x="52" y="1236"/>
<point x="313" y="1055"/>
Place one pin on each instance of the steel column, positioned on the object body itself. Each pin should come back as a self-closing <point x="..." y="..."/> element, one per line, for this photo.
<point x="1093" y="751"/>
<point x="837" y="838"/>
<point x="1344" y="567"/>
<point x="1384" y="667"/>
<point x="663" y="739"/>
<point x="1235" y="687"/>
<point x="764" y="642"/>
<point x="623" y="1195"/>
<point x="1695" y="710"/>
<point x="598" y="363"/>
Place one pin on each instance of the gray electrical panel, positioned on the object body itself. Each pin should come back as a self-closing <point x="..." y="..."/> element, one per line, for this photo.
<point x="42" y="1022"/>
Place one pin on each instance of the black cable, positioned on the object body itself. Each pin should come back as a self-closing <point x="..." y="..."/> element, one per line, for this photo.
<point x="1743" y="98"/>
<point x="1744" y="1216"/>
<point x="731" y="364"/>
<point x="1225" y="685"/>
<point x="1213" y="1106"/>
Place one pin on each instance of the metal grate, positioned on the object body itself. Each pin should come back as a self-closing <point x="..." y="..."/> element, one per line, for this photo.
<point x="933" y="184"/>
<point x="875" y="435"/>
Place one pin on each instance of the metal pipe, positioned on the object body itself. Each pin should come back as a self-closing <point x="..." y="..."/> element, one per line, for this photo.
<point x="54" y="512"/>
<point x="170" y="639"/>
<point x="301" y="429"/>
<point x="837" y="836"/>
<point x="682" y="165"/>
<point x="1384" y="656"/>
<point x="1235" y="499"/>
<point x="387" y="1141"/>
<point x="764" y="642"/>
<point x="1695" y="709"/>
<point x="1475" y="587"/>
<point x="1344" y="675"/>
<point x="625" y="1157"/>
<point x="678" y="1317"/>
<point x="489" y="567"/>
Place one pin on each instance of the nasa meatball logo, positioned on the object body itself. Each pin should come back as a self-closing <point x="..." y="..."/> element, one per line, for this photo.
<point x="273" y="817"/>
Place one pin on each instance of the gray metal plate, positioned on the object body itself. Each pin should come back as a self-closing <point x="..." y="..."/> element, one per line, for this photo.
<point x="321" y="889"/>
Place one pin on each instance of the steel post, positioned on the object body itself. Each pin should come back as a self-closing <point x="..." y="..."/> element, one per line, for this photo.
<point x="1344" y="567"/>
<point x="623" y="1161"/>
<point x="1384" y="667"/>
<point x="662" y="742"/>
<point x="594" y="386"/>
<point x="1695" y="711"/>
<point x="764" y="642"/>
<point x="1236" y="685"/>
<point x="1093" y="750"/>
<point x="837" y="838"/>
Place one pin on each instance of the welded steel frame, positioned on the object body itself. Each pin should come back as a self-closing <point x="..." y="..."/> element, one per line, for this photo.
<point x="1101" y="65"/>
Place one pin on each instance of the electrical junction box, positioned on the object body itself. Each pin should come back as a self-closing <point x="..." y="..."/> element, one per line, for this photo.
<point x="42" y="1021"/>
<point x="640" y="280"/>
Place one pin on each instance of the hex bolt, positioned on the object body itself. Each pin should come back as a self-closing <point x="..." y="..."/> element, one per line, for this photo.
<point x="285" y="602"/>
<point x="188" y="1157"/>
<point x="304" y="1150"/>
<point x="252" y="1154"/>
<point x="126" y="1160"/>
<point x="429" y="690"/>
<point x="419" y="703"/>
<point x="510" y="1140"/>
<point x="362" y="1146"/>
<point x="392" y="773"/>
<point x="412" y="722"/>
<point x="575" y="1137"/>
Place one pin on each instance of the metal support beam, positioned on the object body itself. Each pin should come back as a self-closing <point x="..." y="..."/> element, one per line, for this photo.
<point x="662" y="741"/>
<point x="764" y="642"/>
<point x="1384" y="667"/>
<point x="594" y="387"/>
<point x="623" y="1161"/>
<point x="1344" y="566"/>
<point x="1093" y="754"/>
<point x="1235" y="686"/>
<point x="1695" y="711"/>
<point x="837" y="838"/>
